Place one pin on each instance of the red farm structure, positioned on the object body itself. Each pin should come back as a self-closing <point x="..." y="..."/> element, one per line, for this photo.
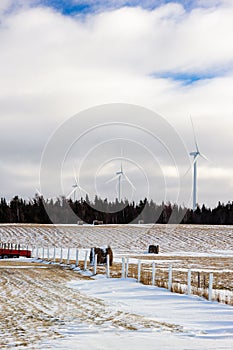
<point x="8" y="251"/>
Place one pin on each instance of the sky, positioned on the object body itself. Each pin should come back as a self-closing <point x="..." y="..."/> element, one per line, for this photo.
<point x="61" y="58"/>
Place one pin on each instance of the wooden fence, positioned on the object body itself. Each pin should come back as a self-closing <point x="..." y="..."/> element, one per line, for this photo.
<point x="146" y="271"/>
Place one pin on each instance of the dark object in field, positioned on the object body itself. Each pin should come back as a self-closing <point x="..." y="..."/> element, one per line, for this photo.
<point x="101" y="255"/>
<point x="153" y="249"/>
<point x="97" y="222"/>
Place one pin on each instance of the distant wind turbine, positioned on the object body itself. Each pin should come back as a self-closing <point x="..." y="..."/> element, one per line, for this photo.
<point x="195" y="154"/>
<point x="76" y="187"/>
<point x="119" y="176"/>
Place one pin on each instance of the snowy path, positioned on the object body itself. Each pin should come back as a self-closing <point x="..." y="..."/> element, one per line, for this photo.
<point x="197" y="323"/>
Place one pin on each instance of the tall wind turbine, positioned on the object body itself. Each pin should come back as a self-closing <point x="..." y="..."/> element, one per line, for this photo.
<point x="195" y="154"/>
<point x="76" y="187"/>
<point x="119" y="176"/>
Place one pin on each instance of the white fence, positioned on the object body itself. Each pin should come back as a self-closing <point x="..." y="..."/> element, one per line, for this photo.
<point x="74" y="255"/>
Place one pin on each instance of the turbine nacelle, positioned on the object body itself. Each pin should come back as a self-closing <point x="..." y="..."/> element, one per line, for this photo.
<point x="194" y="154"/>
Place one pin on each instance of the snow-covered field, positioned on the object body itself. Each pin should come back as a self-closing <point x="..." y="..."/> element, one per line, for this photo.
<point x="124" y="238"/>
<point x="153" y="317"/>
<point x="48" y="306"/>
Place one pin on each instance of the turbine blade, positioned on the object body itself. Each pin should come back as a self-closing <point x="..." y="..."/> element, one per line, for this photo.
<point x="192" y="164"/>
<point x="112" y="179"/>
<point x="128" y="180"/>
<point x="196" y="158"/>
<point x="70" y="194"/>
<point x="194" y="135"/>
<point x="81" y="189"/>
<point x="204" y="157"/>
<point x="77" y="186"/>
<point x="188" y="170"/>
<point x="38" y="192"/>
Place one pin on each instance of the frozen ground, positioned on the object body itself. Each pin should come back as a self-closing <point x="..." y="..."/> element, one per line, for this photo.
<point x="155" y="319"/>
<point x="55" y="308"/>
<point x="125" y="238"/>
<point x="48" y="306"/>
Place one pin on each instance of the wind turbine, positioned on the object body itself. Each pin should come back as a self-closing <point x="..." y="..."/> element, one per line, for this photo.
<point x="195" y="154"/>
<point x="75" y="187"/>
<point x="120" y="174"/>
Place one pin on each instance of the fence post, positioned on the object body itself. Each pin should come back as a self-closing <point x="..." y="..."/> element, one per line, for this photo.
<point x="61" y="256"/>
<point x="85" y="262"/>
<point x="204" y="281"/>
<point x="76" y="263"/>
<point x="95" y="265"/>
<point x="37" y="253"/>
<point x="107" y="267"/>
<point x="189" y="282"/>
<point x="210" y="286"/>
<point x="170" y="278"/>
<point x="43" y="253"/>
<point x="139" y="271"/>
<point x="123" y="268"/>
<point x="127" y="267"/>
<point x="48" y="253"/>
<point x="54" y="254"/>
<point x="68" y="256"/>
<point x="198" y="280"/>
<point x="153" y="273"/>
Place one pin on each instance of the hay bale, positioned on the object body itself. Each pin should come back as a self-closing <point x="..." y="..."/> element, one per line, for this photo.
<point x="154" y="249"/>
<point x="101" y="255"/>
<point x="97" y="222"/>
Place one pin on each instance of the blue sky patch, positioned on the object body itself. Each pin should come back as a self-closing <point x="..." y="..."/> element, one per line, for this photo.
<point x="67" y="7"/>
<point x="73" y="7"/>
<point x="82" y="7"/>
<point x="185" y="78"/>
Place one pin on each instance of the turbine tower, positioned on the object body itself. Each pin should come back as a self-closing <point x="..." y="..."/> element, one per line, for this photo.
<point x="195" y="154"/>
<point x="119" y="175"/>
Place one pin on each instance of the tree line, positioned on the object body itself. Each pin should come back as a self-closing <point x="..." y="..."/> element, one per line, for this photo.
<point x="63" y="211"/>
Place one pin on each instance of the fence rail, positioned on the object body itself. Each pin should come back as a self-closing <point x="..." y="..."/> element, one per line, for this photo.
<point x="186" y="280"/>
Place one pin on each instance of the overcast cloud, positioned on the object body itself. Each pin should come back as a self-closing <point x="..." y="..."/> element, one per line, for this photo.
<point x="172" y="58"/>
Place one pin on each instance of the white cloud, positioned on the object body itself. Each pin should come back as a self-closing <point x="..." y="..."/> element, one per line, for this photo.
<point x="4" y="4"/>
<point x="52" y="66"/>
